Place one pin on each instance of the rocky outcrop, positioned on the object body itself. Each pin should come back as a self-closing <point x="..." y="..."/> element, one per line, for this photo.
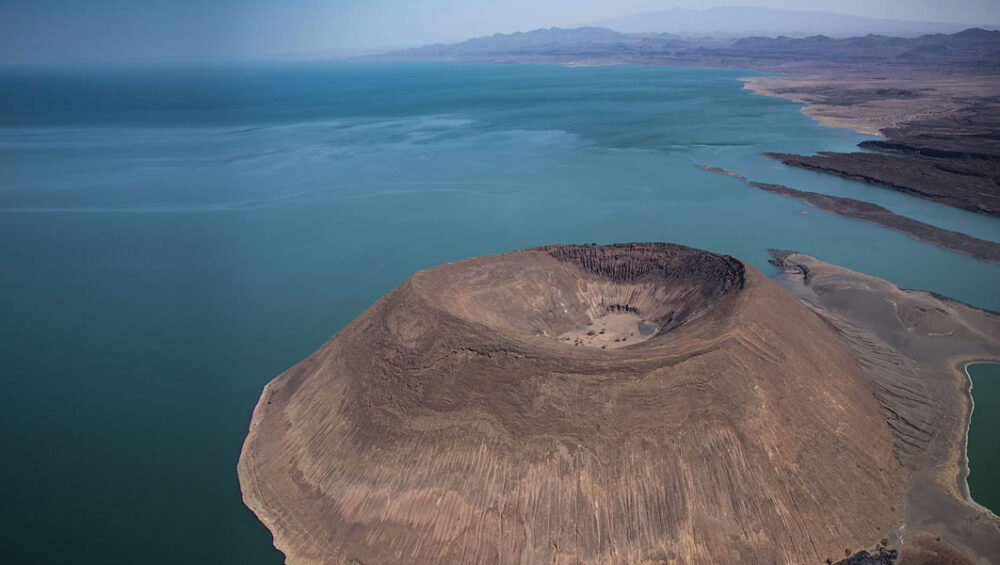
<point x="970" y="184"/>
<point x="882" y="556"/>
<point x="941" y="130"/>
<point x="971" y="131"/>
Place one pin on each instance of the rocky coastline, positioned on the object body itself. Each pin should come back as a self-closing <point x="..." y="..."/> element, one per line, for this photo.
<point x="940" y="131"/>
<point x="971" y="184"/>
<point x="981" y="249"/>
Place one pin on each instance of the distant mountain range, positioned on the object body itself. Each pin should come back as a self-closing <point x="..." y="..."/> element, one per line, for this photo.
<point x="972" y="48"/>
<point x="744" y="21"/>
<point x="551" y="42"/>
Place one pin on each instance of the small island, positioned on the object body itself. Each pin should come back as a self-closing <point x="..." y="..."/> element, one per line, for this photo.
<point x="453" y="422"/>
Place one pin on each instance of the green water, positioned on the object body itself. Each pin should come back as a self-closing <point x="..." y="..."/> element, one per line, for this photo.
<point x="173" y="238"/>
<point x="984" y="441"/>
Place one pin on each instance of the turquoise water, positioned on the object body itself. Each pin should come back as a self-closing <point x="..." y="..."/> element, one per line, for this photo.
<point x="984" y="442"/>
<point x="172" y="238"/>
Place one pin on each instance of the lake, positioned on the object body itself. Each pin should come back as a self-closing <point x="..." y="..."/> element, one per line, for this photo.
<point x="984" y="442"/>
<point x="174" y="237"/>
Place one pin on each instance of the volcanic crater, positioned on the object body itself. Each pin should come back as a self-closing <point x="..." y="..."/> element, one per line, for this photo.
<point x="454" y="422"/>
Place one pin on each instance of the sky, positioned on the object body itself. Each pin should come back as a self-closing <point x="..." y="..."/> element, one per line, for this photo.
<point x="87" y="31"/>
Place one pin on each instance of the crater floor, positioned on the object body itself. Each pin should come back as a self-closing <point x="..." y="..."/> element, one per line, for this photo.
<point x="613" y="330"/>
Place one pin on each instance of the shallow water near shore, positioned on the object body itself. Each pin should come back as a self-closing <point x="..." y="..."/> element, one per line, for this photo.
<point x="984" y="441"/>
<point x="172" y="238"/>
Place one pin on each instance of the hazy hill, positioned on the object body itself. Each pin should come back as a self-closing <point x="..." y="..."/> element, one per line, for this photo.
<point x="972" y="48"/>
<point x="743" y="21"/>
<point x="550" y="42"/>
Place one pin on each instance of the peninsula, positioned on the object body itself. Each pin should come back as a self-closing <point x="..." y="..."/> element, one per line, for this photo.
<point x="981" y="249"/>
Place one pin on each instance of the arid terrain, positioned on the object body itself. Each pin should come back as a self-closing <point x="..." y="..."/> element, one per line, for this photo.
<point x="872" y="102"/>
<point x="914" y="345"/>
<point x="940" y="129"/>
<point x="451" y="423"/>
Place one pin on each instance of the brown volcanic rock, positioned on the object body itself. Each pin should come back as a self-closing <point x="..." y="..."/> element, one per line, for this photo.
<point x="970" y="184"/>
<point x="449" y="424"/>
<point x="941" y="130"/>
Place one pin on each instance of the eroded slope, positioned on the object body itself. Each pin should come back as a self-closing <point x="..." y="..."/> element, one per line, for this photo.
<point x="450" y="424"/>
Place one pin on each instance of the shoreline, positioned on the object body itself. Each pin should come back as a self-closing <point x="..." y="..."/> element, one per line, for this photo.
<point x="964" y="184"/>
<point x="937" y="134"/>
<point x="812" y="110"/>
<point x="860" y="210"/>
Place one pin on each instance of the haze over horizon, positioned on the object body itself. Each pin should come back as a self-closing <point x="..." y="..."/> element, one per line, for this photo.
<point x="115" y="31"/>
